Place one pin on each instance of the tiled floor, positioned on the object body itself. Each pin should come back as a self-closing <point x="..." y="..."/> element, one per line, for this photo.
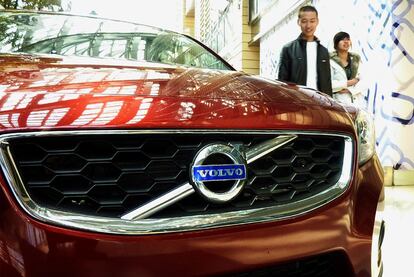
<point x="398" y="247"/>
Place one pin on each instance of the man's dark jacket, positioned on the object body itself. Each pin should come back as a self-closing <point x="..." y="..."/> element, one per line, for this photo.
<point x="293" y="66"/>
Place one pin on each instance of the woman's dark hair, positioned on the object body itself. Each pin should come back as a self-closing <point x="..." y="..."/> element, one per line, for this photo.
<point x="338" y="37"/>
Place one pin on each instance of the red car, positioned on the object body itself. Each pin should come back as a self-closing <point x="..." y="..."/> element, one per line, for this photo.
<point x="128" y="150"/>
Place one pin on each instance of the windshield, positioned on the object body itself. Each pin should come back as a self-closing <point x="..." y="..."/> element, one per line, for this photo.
<point x="69" y="35"/>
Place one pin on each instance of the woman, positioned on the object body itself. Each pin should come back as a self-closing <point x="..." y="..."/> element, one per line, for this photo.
<point x="344" y="70"/>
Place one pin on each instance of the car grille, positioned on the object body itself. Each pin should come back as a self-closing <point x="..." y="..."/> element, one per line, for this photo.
<point x="112" y="174"/>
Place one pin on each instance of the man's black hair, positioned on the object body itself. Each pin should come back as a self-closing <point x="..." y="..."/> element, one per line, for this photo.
<point x="308" y="8"/>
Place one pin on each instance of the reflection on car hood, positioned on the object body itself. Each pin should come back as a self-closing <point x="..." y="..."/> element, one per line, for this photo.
<point x="57" y="81"/>
<point x="52" y="74"/>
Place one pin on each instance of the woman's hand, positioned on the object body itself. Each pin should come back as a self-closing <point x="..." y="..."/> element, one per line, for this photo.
<point x="344" y="91"/>
<point x="352" y="82"/>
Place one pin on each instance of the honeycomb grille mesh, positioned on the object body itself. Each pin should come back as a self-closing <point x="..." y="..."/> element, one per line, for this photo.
<point x="109" y="175"/>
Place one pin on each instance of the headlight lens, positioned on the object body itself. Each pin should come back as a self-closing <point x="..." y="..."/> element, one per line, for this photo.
<point x="366" y="136"/>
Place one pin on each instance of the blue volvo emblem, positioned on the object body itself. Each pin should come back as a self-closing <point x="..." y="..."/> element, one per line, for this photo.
<point x="219" y="162"/>
<point x="203" y="173"/>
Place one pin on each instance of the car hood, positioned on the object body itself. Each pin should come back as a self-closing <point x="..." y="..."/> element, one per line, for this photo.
<point x="61" y="92"/>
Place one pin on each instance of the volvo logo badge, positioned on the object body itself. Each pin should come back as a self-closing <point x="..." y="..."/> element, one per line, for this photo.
<point x="218" y="163"/>
<point x="219" y="172"/>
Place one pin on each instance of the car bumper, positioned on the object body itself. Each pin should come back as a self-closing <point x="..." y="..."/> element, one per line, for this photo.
<point x="31" y="248"/>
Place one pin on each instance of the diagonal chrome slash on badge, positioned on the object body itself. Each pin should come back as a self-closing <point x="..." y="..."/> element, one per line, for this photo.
<point x="187" y="189"/>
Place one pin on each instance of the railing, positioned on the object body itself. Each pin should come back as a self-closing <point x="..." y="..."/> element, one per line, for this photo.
<point x="221" y="32"/>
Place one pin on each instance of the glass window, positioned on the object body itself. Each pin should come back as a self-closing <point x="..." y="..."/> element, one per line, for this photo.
<point x="257" y="6"/>
<point x="95" y="37"/>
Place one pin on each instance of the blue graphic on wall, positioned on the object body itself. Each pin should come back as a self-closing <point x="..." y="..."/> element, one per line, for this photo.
<point x="390" y="99"/>
<point x="383" y="34"/>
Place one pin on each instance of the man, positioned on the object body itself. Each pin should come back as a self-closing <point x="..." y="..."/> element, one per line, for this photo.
<point x="305" y="61"/>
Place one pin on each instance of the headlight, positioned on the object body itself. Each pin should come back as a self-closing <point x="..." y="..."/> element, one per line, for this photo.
<point x="366" y="136"/>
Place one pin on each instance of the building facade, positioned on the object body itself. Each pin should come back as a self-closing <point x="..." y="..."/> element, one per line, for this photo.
<point x="224" y="25"/>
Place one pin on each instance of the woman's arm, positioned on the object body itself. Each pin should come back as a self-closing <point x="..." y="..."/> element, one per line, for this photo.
<point x="338" y="77"/>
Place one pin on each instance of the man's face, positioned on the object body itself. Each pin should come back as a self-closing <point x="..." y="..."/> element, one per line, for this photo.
<point x="308" y="21"/>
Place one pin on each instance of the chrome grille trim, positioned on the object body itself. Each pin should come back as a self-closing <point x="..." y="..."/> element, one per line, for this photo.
<point x="187" y="189"/>
<point x="166" y="225"/>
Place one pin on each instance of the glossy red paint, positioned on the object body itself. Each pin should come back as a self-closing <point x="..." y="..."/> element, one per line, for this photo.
<point x="65" y="94"/>
<point x="49" y="93"/>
